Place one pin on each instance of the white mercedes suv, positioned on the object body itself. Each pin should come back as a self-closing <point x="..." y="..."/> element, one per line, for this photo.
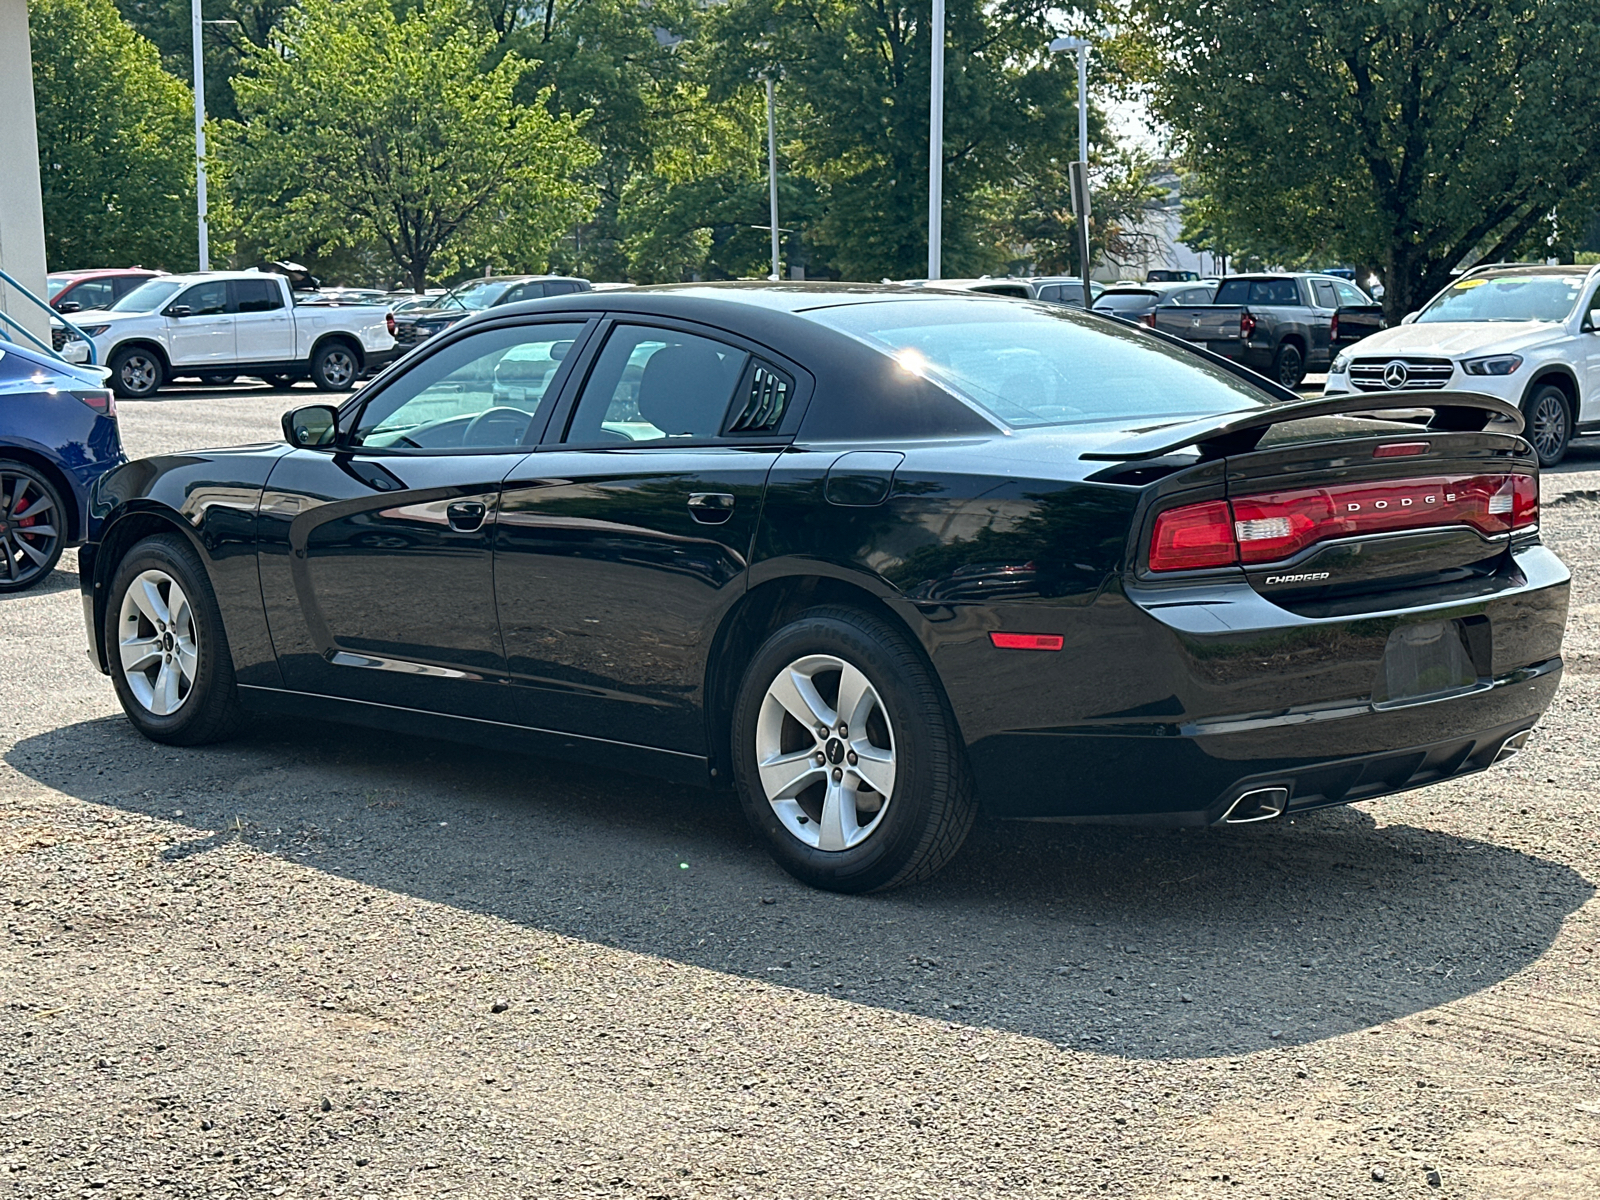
<point x="1527" y="334"/>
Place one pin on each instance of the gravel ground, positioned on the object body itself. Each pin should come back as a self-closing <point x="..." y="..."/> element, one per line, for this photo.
<point x="322" y="961"/>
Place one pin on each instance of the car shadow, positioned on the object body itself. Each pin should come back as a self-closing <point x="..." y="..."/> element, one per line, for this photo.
<point x="1138" y="943"/>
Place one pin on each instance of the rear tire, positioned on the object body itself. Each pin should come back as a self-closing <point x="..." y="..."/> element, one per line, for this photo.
<point x="137" y="373"/>
<point x="1548" y="414"/>
<point x="276" y="382"/>
<point x="33" y="527"/>
<point x="217" y="380"/>
<point x="904" y="741"/>
<point x="1288" y="367"/>
<point x="335" y="367"/>
<point x="166" y="646"/>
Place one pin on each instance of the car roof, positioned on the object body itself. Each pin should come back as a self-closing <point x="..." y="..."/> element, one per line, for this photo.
<point x="86" y="272"/>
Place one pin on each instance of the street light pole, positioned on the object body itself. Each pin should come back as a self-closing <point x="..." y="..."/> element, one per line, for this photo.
<point x="936" y="146"/>
<point x="200" y="135"/>
<point x="1080" y="176"/>
<point x="772" y="172"/>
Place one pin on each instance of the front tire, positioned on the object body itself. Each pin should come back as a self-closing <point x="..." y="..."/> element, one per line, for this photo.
<point x="33" y="527"/>
<point x="1549" y="423"/>
<point x="167" y="648"/>
<point x="335" y="367"/>
<point x="1289" y="368"/>
<point x="848" y="762"/>
<point x="217" y="380"/>
<point x="137" y="373"/>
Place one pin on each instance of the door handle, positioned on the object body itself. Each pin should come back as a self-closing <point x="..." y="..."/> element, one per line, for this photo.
<point x="710" y="508"/>
<point x="466" y="516"/>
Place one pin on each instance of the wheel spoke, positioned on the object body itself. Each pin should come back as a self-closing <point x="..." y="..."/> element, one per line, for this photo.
<point x="148" y="598"/>
<point x="875" y="766"/>
<point x="42" y="505"/>
<point x="798" y="694"/>
<point x="785" y="776"/>
<point x="167" y="689"/>
<point x="139" y="654"/>
<point x="856" y="698"/>
<point x="838" y="826"/>
<point x="11" y="557"/>
<point x="48" y="531"/>
<point x="184" y="656"/>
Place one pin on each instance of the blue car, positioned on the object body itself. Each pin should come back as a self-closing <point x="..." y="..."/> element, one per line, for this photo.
<point x="58" y="434"/>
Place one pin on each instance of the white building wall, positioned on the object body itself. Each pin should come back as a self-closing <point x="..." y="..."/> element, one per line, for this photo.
<point x="21" y="208"/>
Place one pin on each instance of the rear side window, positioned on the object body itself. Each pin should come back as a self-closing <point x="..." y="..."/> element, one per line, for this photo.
<point x="256" y="295"/>
<point x="765" y="392"/>
<point x="1031" y="365"/>
<point x="657" y="385"/>
<point x="1326" y="296"/>
<point x="1118" y="301"/>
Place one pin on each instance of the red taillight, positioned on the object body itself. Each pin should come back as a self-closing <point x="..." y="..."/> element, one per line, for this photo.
<point x="1196" y="535"/>
<point x="1247" y="325"/>
<point x="1333" y="329"/>
<point x="1027" y="641"/>
<point x="102" y="400"/>
<point x="1278" y="525"/>
<point x="1399" y="449"/>
<point x="1524" y="501"/>
<point x="388" y="320"/>
<point x="1148" y="320"/>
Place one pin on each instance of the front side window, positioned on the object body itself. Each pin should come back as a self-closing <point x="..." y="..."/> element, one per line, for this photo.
<point x="147" y="297"/>
<point x="482" y="393"/>
<point x="1506" y="298"/>
<point x="206" y="299"/>
<point x="1326" y="296"/>
<point x="1032" y="365"/>
<point x="1349" y="293"/>
<point x="96" y="293"/>
<point x="656" y="385"/>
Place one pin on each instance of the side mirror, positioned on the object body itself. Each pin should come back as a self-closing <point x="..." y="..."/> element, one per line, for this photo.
<point x="67" y="307"/>
<point x="314" y="427"/>
<point x="1408" y="318"/>
<point x="177" y="310"/>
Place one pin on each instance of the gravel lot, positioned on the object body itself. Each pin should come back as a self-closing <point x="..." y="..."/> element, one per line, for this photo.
<point x="321" y="961"/>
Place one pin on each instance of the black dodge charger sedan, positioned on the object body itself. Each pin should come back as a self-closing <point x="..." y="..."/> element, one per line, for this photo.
<point x="875" y="557"/>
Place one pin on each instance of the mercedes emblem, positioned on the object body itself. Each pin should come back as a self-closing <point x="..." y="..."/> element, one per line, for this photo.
<point x="1395" y="375"/>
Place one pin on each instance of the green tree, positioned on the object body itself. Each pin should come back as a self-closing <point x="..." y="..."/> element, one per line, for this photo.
<point x="856" y="88"/>
<point x="116" y="142"/>
<point x="232" y="28"/>
<point x="360" y="127"/>
<point x="1414" y="135"/>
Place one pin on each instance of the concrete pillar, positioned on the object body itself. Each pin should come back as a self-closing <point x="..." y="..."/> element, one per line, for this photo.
<point x="21" y="208"/>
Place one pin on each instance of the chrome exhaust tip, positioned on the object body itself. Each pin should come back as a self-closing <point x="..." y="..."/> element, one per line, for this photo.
<point x="1262" y="804"/>
<point x="1512" y="744"/>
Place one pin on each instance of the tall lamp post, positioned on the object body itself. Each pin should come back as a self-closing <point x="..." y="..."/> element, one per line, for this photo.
<point x="200" y="128"/>
<point x="772" y="172"/>
<point x="936" y="145"/>
<point x="1080" y="169"/>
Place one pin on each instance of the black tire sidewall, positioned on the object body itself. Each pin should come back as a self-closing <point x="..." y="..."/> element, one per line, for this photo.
<point x="123" y="391"/>
<point x="319" y="362"/>
<point x="1281" y="360"/>
<point x="209" y="711"/>
<point x="915" y="712"/>
<point x="1531" y="406"/>
<point x="11" y="466"/>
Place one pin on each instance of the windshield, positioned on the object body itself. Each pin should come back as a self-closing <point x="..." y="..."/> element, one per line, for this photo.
<point x="1506" y="298"/>
<point x="55" y="283"/>
<point x="1036" y="364"/>
<point x="473" y="296"/>
<point x="147" y="297"/>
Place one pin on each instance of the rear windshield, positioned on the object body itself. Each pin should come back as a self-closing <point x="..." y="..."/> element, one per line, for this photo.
<point x="147" y="297"/>
<point x="1117" y="301"/>
<point x="1258" y="291"/>
<point x="1507" y="298"/>
<point x="1034" y="364"/>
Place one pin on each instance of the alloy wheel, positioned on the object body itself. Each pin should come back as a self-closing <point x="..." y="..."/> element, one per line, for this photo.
<point x="139" y="373"/>
<point x="825" y="753"/>
<point x="338" y="368"/>
<point x="158" y="642"/>
<point x="1548" y="429"/>
<point x="29" y="532"/>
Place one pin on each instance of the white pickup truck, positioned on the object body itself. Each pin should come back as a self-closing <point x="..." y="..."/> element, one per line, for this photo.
<point x="218" y="324"/>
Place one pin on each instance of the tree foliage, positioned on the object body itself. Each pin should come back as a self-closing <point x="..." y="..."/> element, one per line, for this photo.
<point x="362" y="127"/>
<point x="1409" y="135"/>
<point x="116" y="142"/>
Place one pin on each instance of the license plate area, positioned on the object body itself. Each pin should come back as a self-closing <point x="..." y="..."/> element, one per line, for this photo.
<point x="1431" y="660"/>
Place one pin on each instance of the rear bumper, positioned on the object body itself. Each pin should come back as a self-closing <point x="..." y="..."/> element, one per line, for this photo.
<point x="1165" y="714"/>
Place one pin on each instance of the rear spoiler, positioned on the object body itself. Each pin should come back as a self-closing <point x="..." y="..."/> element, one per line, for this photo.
<point x="1238" y="432"/>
